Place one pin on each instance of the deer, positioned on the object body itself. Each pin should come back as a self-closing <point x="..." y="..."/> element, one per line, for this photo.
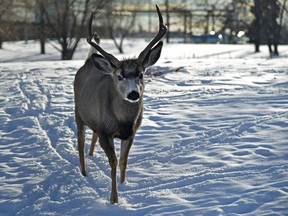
<point x="108" y="97"/>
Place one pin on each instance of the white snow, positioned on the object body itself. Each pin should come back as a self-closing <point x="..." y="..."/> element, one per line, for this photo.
<point x="214" y="138"/>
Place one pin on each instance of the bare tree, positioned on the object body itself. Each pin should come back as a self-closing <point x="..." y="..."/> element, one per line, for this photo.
<point x="5" y="10"/>
<point x="267" y="24"/>
<point x="66" y="19"/>
<point x="278" y="33"/>
<point x="120" y="24"/>
<point x="256" y="28"/>
<point x="271" y="12"/>
<point x="40" y="8"/>
<point x="237" y="18"/>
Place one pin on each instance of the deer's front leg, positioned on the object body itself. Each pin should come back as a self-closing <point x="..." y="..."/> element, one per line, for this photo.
<point x="125" y="148"/>
<point x="108" y="146"/>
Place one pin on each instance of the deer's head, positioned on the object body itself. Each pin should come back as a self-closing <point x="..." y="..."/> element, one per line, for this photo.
<point x="128" y="74"/>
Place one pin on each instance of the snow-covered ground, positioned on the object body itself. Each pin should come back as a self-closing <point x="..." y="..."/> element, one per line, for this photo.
<point x="214" y="138"/>
<point x="19" y="51"/>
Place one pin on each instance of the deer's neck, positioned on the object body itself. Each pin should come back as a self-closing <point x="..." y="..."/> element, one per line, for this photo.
<point x="127" y="111"/>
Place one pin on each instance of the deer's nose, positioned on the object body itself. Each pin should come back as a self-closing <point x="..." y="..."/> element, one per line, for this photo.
<point x="133" y="96"/>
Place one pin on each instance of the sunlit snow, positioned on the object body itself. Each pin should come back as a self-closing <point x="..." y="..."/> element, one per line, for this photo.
<point x="213" y="141"/>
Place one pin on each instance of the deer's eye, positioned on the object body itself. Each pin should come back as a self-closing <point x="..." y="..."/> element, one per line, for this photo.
<point x="140" y="76"/>
<point x="120" y="78"/>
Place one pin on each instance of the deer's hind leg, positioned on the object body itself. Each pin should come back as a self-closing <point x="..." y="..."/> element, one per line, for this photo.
<point x="81" y="142"/>
<point x="93" y="143"/>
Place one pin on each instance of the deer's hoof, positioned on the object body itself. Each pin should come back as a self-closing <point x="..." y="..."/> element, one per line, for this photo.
<point x="114" y="199"/>
<point x="84" y="173"/>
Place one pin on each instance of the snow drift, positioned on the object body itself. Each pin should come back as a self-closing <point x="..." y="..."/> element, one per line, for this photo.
<point x="213" y="142"/>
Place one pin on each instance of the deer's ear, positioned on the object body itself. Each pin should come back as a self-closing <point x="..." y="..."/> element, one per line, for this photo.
<point x="153" y="55"/>
<point x="102" y="63"/>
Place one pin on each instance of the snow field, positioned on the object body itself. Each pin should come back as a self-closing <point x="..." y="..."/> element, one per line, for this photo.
<point x="213" y="142"/>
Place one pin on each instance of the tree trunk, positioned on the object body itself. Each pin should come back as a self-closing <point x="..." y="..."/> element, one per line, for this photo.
<point x="258" y="26"/>
<point x="42" y="46"/>
<point x="277" y="40"/>
<point x="270" y="46"/>
<point x="168" y="21"/>
<point x="121" y="44"/>
<point x="276" y="53"/>
<point x="118" y="46"/>
<point x="42" y="32"/>
<point x="67" y="54"/>
<point x="257" y="47"/>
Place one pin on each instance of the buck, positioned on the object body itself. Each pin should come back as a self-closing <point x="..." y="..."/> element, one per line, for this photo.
<point x="109" y="100"/>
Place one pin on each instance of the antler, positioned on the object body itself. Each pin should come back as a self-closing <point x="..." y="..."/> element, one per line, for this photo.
<point x="113" y="60"/>
<point x="161" y="32"/>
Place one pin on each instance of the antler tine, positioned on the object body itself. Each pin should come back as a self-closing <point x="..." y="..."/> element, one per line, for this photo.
<point x="90" y="24"/>
<point x="113" y="60"/>
<point x="161" y="32"/>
